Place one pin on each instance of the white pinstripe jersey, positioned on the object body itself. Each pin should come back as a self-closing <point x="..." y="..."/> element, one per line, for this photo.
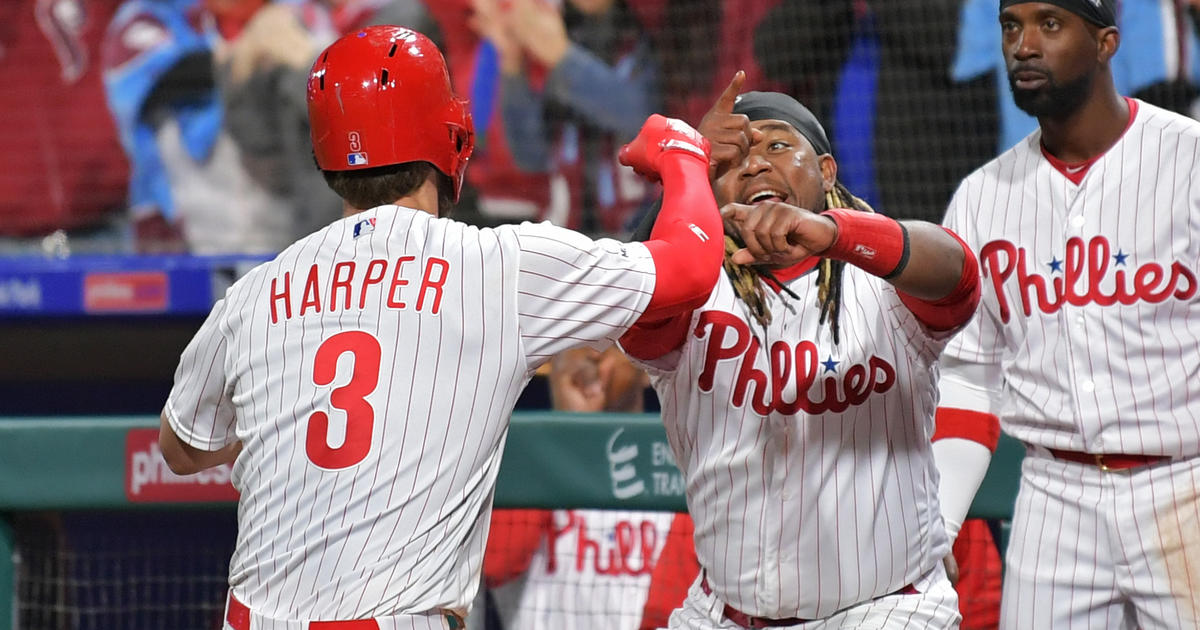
<point x="1090" y="298"/>
<point x="807" y="503"/>
<point x="370" y="372"/>
<point x="592" y="571"/>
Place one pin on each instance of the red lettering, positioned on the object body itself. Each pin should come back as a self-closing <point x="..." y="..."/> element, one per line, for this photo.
<point x="284" y="295"/>
<point x="628" y="539"/>
<point x="1149" y="282"/>
<point x="858" y="382"/>
<point x="552" y="542"/>
<point x="858" y="386"/>
<point x="716" y="351"/>
<point x="1097" y="266"/>
<point x="371" y="279"/>
<point x="583" y="545"/>
<point x="781" y="369"/>
<point x="882" y="374"/>
<point x="312" y="297"/>
<point x="341" y="283"/>
<point x="806" y="374"/>
<point x="649" y="543"/>
<point x="427" y="283"/>
<point x="1179" y="271"/>
<point x="393" y="300"/>
<point x="1034" y="281"/>
<point x="747" y="373"/>
<point x="999" y="272"/>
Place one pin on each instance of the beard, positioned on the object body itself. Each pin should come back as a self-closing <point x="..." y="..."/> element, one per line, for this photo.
<point x="1052" y="100"/>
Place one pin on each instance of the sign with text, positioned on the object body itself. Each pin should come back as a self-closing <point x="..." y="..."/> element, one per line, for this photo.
<point x="149" y="480"/>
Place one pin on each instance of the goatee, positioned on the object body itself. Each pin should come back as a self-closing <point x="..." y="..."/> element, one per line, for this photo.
<point x="1052" y="100"/>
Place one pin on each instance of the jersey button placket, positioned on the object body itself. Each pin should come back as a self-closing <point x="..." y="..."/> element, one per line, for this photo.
<point x="777" y="497"/>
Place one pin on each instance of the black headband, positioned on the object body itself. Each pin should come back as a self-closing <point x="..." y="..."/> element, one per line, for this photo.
<point x="777" y="106"/>
<point x="1098" y="12"/>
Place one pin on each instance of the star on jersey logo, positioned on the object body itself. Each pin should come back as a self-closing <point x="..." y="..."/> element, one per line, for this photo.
<point x="830" y="364"/>
<point x="1120" y="257"/>
<point x="1055" y="265"/>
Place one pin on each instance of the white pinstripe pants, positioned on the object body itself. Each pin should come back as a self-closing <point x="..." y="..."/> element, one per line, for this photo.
<point x="1111" y="550"/>
<point x="934" y="608"/>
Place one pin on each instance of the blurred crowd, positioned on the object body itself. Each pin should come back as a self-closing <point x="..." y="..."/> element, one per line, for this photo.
<point x="179" y="126"/>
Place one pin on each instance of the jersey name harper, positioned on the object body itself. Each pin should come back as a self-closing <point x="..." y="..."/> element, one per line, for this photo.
<point x="794" y="370"/>
<point x="1081" y="277"/>
<point x="349" y="284"/>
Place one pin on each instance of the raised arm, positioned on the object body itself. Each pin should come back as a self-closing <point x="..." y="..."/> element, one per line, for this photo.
<point x="686" y="241"/>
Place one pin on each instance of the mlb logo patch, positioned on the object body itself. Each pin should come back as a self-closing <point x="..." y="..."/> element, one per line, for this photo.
<point x="366" y="226"/>
<point x="356" y="159"/>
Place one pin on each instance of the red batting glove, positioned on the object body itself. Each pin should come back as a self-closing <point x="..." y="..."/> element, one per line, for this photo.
<point x="661" y="136"/>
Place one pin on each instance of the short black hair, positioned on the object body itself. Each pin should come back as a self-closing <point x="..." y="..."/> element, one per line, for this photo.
<point x="367" y="188"/>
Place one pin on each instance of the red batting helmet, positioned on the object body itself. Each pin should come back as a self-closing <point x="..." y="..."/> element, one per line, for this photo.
<point x="381" y="96"/>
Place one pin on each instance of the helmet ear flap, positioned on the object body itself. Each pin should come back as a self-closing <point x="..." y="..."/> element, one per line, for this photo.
<point x="462" y="138"/>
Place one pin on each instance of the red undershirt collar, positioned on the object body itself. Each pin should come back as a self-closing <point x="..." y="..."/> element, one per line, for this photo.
<point x="787" y="274"/>
<point x="1076" y="171"/>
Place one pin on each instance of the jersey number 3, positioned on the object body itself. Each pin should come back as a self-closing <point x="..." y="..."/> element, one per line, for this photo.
<point x="350" y="398"/>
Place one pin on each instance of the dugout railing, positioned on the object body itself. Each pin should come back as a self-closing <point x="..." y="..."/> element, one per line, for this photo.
<point x="552" y="460"/>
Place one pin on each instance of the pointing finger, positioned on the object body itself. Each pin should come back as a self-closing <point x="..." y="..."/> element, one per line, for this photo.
<point x="727" y="99"/>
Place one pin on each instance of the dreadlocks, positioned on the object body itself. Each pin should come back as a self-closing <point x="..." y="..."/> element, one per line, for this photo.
<point x="749" y="286"/>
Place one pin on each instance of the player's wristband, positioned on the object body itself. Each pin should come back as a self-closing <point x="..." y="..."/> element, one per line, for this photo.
<point x="869" y="241"/>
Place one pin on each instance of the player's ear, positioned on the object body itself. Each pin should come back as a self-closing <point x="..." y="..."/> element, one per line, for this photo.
<point x="1108" y="40"/>
<point x="828" y="171"/>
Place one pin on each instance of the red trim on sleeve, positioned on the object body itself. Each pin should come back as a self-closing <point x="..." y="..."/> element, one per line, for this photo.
<point x="959" y="305"/>
<point x="687" y="241"/>
<point x="967" y="424"/>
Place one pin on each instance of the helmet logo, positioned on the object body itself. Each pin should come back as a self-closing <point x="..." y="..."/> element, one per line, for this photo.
<point x="357" y="156"/>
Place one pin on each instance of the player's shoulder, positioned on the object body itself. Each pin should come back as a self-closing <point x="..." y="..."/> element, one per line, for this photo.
<point x="544" y="235"/>
<point x="1166" y="121"/>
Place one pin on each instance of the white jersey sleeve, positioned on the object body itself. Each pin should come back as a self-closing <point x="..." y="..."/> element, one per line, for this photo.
<point x="573" y="290"/>
<point x="199" y="408"/>
<point x="982" y="339"/>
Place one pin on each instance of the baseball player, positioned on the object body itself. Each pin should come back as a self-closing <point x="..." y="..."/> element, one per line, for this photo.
<point x="362" y="381"/>
<point x="799" y="402"/>
<point x="1087" y="345"/>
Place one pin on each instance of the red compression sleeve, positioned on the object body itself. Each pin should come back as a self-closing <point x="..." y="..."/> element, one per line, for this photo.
<point x="513" y="538"/>
<point x="976" y="426"/>
<point x="957" y="307"/>
<point x="687" y="242"/>
<point x="869" y="241"/>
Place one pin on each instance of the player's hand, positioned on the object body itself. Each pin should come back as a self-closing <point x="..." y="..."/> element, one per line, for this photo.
<point x="951" y="565"/>
<point x="577" y="380"/>
<point x="660" y="136"/>
<point x="274" y="36"/>
<point x="491" y="21"/>
<point x="776" y="233"/>
<point x="729" y="133"/>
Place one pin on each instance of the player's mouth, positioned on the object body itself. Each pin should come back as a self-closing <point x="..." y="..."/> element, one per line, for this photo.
<point x="764" y="195"/>
<point x="1029" y="79"/>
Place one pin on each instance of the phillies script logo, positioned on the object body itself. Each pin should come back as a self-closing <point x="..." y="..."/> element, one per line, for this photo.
<point x="628" y="541"/>
<point x="730" y="338"/>
<point x="149" y="480"/>
<point x="1083" y="269"/>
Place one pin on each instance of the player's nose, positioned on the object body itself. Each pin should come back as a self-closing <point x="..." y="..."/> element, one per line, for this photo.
<point x="754" y="164"/>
